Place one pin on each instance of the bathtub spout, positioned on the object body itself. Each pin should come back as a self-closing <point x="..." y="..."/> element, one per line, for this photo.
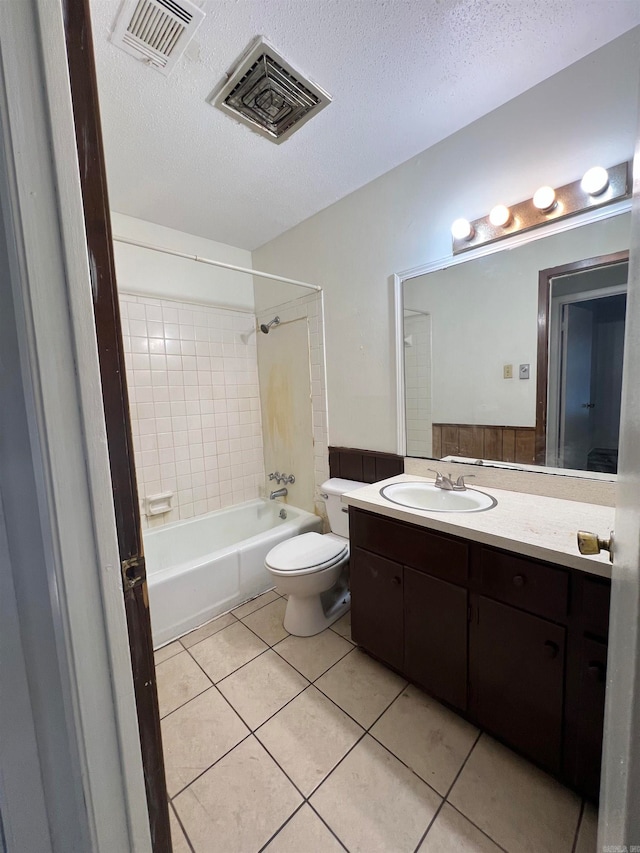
<point x="279" y="493"/>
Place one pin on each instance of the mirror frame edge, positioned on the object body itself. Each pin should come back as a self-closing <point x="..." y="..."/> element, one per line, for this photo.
<point x="512" y="242"/>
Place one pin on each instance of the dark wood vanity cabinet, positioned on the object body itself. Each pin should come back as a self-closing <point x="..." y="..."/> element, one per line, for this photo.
<point x="516" y="645"/>
<point x="517" y="677"/>
<point x="378" y="620"/>
<point x="435" y="636"/>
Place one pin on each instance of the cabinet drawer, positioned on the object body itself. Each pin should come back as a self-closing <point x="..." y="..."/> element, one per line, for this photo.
<point x="527" y="584"/>
<point x="410" y="545"/>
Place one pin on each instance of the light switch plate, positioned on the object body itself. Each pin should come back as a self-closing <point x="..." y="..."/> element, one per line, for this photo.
<point x="508" y="371"/>
<point x="524" y="371"/>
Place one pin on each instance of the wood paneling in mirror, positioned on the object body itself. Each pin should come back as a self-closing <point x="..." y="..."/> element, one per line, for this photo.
<point x="497" y="443"/>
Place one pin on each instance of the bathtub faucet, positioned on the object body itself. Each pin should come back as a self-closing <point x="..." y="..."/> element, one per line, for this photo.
<point x="279" y="493"/>
<point x="282" y="478"/>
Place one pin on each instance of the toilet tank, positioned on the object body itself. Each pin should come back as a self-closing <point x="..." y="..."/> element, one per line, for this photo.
<point x="334" y="489"/>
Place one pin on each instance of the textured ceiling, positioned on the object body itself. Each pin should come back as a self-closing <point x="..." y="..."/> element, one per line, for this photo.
<point x="403" y="74"/>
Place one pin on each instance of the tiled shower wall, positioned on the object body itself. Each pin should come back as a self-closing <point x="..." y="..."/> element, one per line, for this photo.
<point x="195" y="405"/>
<point x="417" y="377"/>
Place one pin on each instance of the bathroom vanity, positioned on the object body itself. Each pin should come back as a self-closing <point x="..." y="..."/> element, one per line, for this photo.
<point x="464" y="606"/>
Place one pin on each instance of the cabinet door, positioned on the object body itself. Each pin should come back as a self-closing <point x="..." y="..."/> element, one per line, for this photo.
<point x="436" y="627"/>
<point x="590" y="724"/>
<point x="376" y="606"/>
<point x="517" y="679"/>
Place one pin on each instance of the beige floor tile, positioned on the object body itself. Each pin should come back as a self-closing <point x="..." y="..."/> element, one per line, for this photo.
<point x="305" y="833"/>
<point x="588" y="833"/>
<point x="374" y="803"/>
<point x="314" y="655"/>
<point x="361" y="686"/>
<point x="207" y="630"/>
<point x="451" y="831"/>
<point x="267" y="622"/>
<point x="196" y="735"/>
<point x="518" y="806"/>
<point x="255" y="603"/>
<point x="262" y="687"/>
<point x="178" y="840"/>
<point x="237" y="805"/>
<point x="429" y="738"/>
<point x="179" y="680"/>
<point x="308" y="737"/>
<point x="167" y="652"/>
<point x="227" y="650"/>
<point x="343" y="626"/>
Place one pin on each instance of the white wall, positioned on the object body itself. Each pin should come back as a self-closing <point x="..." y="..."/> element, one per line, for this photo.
<point x="585" y="115"/>
<point x="156" y="274"/>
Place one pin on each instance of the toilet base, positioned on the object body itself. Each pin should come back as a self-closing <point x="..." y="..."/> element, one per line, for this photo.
<point x="308" y="616"/>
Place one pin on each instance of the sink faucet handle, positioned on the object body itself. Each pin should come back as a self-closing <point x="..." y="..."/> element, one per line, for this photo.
<point x="460" y="484"/>
<point x="439" y="477"/>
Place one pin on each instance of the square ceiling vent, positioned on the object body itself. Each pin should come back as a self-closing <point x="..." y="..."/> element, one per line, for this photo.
<point x="266" y="93"/>
<point x="156" y="32"/>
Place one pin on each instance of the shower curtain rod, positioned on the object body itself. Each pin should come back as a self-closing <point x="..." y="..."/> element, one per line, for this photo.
<point x="210" y="262"/>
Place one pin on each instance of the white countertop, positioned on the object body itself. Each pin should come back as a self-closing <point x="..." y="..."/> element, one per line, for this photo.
<point x="531" y="525"/>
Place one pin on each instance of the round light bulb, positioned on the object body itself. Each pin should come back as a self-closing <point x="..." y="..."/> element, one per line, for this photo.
<point x="500" y="216"/>
<point x="595" y="181"/>
<point x="545" y="199"/>
<point x="462" y="229"/>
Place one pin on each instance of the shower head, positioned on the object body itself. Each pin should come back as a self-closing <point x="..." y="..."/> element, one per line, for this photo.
<point x="264" y="328"/>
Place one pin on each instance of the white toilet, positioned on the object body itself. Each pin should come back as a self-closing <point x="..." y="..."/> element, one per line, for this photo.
<point x="313" y="568"/>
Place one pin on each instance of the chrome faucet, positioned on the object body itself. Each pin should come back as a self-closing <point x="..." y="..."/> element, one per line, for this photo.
<point x="447" y="483"/>
<point x="279" y="493"/>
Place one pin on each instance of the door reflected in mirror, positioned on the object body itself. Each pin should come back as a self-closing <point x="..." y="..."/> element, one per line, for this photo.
<point x="516" y="356"/>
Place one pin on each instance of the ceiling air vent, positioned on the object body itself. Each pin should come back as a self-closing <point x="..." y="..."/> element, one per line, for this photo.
<point x="156" y="32"/>
<point x="265" y="92"/>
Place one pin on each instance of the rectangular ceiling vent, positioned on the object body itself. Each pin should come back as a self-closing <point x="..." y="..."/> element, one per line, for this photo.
<point x="266" y="93"/>
<point x="156" y="32"/>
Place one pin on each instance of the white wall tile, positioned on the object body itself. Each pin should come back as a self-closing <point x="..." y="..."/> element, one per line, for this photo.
<point x="181" y="387"/>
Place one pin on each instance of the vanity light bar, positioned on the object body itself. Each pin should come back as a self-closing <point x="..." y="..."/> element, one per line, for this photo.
<point x="597" y="188"/>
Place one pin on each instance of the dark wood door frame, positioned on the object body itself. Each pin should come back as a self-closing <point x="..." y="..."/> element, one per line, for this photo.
<point x="84" y="94"/>
<point x="544" y="306"/>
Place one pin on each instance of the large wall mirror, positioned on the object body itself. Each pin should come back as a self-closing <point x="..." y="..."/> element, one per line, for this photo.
<point x="515" y="356"/>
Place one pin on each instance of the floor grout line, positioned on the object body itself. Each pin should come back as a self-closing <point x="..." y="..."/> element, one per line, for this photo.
<point x="475" y="825"/>
<point x="449" y="789"/>
<point x="280" y="828"/>
<point x="331" y="830"/>
<point x="577" y="832"/>
<point x="324" y="672"/>
<point x="181" y="825"/>
<point x="206" y="770"/>
<point x="365" y="730"/>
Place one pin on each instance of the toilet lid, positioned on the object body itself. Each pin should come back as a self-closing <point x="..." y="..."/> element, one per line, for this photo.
<point x="310" y="550"/>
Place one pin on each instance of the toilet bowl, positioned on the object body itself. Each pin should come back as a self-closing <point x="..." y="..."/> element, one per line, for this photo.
<point x="312" y="569"/>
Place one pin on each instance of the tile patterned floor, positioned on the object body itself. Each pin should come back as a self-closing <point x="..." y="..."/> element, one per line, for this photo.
<point x="306" y="745"/>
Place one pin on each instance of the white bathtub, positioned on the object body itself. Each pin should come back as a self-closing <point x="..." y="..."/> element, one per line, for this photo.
<point x="201" y="567"/>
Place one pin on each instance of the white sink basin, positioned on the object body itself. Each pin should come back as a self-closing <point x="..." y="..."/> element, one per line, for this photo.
<point x="426" y="496"/>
